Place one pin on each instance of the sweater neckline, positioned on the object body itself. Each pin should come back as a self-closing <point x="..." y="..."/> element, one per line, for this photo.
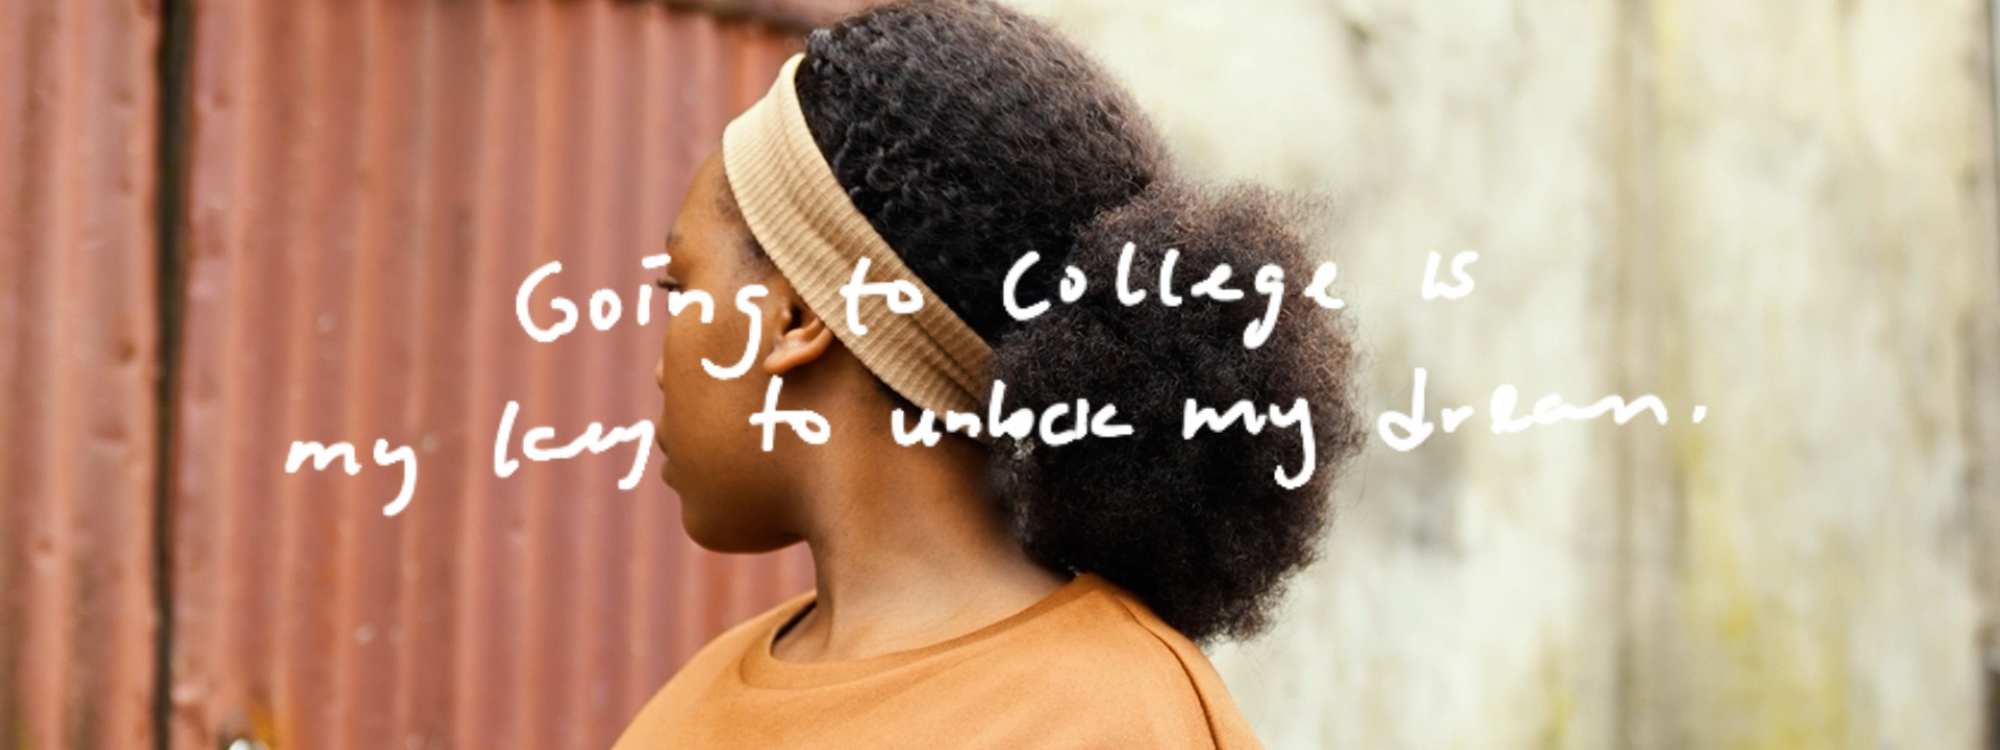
<point x="759" y="667"/>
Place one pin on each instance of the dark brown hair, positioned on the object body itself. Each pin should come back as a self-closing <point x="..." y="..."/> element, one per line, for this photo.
<point x="970" y="135"/>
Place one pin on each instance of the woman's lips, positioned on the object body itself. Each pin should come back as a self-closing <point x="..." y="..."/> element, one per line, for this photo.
<point x="666" y="461"/>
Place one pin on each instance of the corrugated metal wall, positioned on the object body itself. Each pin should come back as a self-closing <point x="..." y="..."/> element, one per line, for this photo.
<point x="369" y="184"/>
<point x="366" y="184"/>
<point x="79" y="342"/>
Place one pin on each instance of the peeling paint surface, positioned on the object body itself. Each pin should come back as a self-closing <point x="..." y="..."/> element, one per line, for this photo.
<point x="1784" y="212"/>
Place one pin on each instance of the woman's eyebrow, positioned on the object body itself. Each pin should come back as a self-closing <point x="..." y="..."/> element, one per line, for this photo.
<point x="673" y="240"/>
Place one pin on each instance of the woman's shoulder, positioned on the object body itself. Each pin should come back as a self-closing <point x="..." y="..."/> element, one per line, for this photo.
<point x="1107" y="656"/>
<point x="1095" y="651"/>
<point x="723" y="652"/>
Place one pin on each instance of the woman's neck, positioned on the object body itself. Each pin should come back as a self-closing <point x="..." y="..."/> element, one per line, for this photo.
<point x="908" y="550"/>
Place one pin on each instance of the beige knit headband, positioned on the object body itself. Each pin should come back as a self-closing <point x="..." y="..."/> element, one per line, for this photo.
<point x="800" y="214"/>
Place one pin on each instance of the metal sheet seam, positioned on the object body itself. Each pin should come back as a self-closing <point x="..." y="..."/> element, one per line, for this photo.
<point x="170" y="177"/>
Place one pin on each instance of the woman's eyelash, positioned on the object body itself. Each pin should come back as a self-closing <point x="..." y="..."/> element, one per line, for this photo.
<point x="668" y="284"/>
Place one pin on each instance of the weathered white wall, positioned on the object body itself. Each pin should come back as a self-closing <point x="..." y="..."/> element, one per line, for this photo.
<point x="1782" y="211"/>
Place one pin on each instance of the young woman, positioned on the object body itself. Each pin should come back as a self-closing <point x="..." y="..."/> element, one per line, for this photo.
<point x="990" y="588"/>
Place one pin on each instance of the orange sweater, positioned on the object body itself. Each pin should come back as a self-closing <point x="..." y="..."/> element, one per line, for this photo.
<point x="1089" y="666"/>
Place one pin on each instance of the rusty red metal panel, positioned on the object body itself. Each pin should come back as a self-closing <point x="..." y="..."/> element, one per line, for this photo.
<point x="79" y="343"/>
<point x="369" y="184"/>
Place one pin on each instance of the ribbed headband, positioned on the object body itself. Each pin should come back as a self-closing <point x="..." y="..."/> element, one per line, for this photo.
<point x="813" y="233"/>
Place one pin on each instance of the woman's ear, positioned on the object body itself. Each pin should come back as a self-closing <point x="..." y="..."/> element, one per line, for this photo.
<point x="802" y="338"/>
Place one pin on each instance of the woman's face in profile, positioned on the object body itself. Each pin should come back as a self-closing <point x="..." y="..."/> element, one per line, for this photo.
<point x="731" y="490"/>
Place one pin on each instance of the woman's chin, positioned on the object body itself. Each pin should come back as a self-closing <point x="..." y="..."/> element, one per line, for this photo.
<point x="705" y="537"/>
<point x="730" y="535"/>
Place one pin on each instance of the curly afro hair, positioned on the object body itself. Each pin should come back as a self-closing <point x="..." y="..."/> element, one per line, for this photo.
<point x="970" y="135"/>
